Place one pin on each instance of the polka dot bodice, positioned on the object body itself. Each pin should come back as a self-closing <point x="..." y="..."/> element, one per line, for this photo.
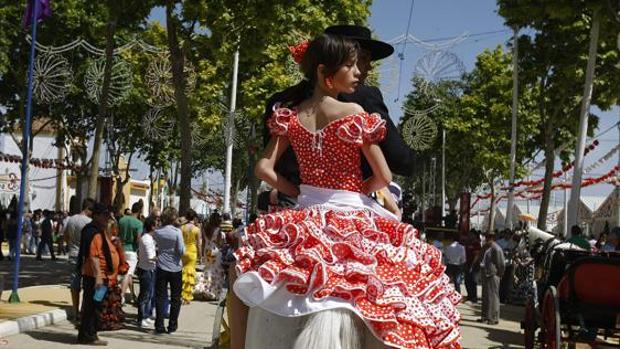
<point x="393" y="281"/>
<point x="330" y="157"/>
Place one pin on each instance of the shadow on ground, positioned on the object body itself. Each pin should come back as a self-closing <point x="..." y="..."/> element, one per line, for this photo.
<point x="34" y="273"/>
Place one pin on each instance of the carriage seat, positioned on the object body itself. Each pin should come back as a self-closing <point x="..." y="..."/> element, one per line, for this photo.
<point x="590" y="290"/>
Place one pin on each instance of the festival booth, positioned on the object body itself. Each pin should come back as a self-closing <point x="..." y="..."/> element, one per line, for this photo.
<point x="46" y="169"/>
<point x="500" y="219"/>
<point x="519" y="208"/>
<point x="608" y="213"/>
<point x="585" y="216"/>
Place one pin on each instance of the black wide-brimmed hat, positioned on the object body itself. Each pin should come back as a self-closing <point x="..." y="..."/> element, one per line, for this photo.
<point x="378" y="49"/>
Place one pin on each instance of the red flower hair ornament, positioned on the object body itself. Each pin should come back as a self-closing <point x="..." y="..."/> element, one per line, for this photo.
<point x="298" y="51"/>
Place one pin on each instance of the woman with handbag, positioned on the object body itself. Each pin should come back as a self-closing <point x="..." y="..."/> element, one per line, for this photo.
<point x="112" y="315"/>
<point x="99" y="271"/>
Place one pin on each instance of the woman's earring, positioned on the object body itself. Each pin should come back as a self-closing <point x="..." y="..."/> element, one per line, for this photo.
<point x="329" y="82"/>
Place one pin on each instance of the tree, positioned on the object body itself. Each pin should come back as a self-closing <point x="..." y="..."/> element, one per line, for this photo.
<point x="122" y="15"/>
<point x="553" y="61"/>
<point x="70" y="19"/>
<point x="263" y="30"/>
<point x="476" y="114"/>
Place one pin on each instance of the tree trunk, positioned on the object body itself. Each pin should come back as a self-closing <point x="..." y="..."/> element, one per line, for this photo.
<point x="492" y="208"/>
<point x="575" y="193"/>
<point x="151" y="203"/>
<point x="549" y="167"/>
<point x="233" y="198"/>
<point x="103" y="110"/>
<point x="178" y="79"/>
<point x="119" y="197"/>
<point x="252" y="206"/>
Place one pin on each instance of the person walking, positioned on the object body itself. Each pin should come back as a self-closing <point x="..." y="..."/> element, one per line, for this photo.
<point x="492" y="268"/>
<point x="130" y="228"/>
<point x="3" y="219"/>
<point x="73" y="235"/>
<point x="212" y="281"/>
<point x="35" y="237"/>
<point x="26" y="234"/>
<point x="191" y="238"/>
<point x="147" y="262"/>
<point x="171" y="248"/>
<point x="11" y="234"/>
<point x="100" y="262"/>
<point x="47" y="235"/>
<point x="455" y="261"/>
<point x="472" y="265"/>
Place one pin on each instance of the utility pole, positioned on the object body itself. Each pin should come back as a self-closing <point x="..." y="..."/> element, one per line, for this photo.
<point x="513" y="134"/>
<point x="443" y="176"/>
<point x="229" y="133"/>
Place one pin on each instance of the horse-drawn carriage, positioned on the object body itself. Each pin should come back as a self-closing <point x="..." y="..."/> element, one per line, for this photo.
<point x="578" y="297"/>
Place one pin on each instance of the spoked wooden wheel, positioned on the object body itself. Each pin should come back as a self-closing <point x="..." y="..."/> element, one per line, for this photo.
<point x="551" y="319"/>
<point x="529" y="323"/>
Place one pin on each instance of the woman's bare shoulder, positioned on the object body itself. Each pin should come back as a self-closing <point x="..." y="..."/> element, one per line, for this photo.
<point x="344" y="109"/>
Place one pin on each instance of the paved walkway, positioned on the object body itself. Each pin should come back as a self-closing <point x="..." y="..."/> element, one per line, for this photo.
<point x="45" y="291"/>
<point x="196" y="325"/>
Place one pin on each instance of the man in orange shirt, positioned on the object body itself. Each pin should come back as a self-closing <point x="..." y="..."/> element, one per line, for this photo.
<point x="100" y="261"/>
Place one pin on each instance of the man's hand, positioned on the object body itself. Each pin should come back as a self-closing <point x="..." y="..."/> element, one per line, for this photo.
<point x="273" y="197"/>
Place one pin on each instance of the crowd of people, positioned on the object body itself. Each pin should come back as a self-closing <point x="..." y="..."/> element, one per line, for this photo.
<point x="42" y="232"/>
<point x="503" y="264"/>
<point x="106" y="251"/>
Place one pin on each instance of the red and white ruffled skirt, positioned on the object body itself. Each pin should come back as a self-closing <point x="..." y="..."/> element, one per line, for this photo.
<point x="340" y="250"/>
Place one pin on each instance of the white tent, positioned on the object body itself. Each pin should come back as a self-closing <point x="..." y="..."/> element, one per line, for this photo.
<point x="607" y="213"/>
<point x="584" y="215"/>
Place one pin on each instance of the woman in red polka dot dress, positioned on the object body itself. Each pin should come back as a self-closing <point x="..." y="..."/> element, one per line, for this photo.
<point x="338" y="271"/>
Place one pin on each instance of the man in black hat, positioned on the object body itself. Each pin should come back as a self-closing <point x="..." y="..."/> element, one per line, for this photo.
<point x="399" y="157"/>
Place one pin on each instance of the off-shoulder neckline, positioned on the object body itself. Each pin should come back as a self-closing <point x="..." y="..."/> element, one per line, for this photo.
<point x="295" y="112"/>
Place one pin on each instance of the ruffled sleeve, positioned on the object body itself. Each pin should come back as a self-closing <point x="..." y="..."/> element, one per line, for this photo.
<point x="279" y="121"/>
<point x="363" y="129"/>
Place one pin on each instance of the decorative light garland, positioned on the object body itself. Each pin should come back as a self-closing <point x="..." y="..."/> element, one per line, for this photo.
<point x="419" y="132"/>
<point x="52" y="78"/>
<point x="121" y="81"/>
<point x="44" y="163"/>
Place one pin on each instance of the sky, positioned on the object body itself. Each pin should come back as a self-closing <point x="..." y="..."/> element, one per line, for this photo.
<point x="437" y="19"/>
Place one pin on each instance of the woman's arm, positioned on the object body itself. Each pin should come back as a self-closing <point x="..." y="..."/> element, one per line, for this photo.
<point x="265" y="167"/>
<point x="382" y="176"/>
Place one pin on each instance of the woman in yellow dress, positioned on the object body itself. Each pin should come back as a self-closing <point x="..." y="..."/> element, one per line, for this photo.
<point x="191" y="237"/>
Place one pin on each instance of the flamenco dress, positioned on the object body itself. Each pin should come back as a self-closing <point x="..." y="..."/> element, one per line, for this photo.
<point x="338" y="249"/>
<point x="191" y="234"/>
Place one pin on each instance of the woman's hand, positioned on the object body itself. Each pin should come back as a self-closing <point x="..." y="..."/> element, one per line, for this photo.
<point x="265" y="167"/>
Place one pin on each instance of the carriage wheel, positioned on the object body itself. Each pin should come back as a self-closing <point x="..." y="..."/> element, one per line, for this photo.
<point x="529" y="323"/>
<point x="551" y="319"/>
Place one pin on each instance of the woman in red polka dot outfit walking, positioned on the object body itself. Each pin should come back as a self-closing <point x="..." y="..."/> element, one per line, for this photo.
<point x="338" y="271"/>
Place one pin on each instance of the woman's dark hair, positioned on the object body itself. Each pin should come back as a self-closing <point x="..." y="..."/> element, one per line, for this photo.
<point x="190" y="215"/>
<point x="150" y="223"/>
<point x="330" y="50"/>
<point x="214" y="222"/>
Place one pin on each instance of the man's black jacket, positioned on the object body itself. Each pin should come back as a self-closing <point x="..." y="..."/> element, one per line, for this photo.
<point x="399" y="156"/>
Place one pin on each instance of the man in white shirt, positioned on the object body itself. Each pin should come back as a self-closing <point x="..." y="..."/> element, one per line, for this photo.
<point x="147" y="262"/>
<point x="455" y="260"/>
